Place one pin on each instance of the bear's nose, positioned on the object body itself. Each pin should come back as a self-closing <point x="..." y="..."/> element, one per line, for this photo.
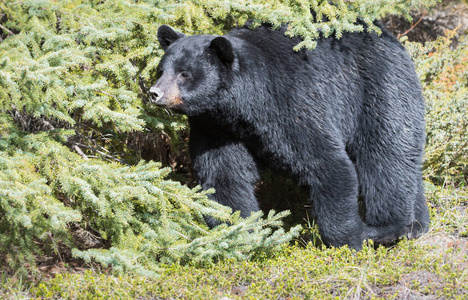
<point x="155" y="94"/>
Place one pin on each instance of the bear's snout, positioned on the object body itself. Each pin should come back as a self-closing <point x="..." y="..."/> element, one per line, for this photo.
<point x="155" y="94"/>
<point x="165" y="96"/>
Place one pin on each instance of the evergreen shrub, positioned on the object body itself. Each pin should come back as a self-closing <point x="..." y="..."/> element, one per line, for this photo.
<point x="443" y="70"/>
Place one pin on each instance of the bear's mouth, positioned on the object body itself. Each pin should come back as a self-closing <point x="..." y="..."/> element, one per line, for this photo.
<point x="167" y="103"/>
<point x="174" y="106"/>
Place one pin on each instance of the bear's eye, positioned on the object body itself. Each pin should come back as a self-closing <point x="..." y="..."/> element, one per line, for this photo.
<point x="185" y="74"/>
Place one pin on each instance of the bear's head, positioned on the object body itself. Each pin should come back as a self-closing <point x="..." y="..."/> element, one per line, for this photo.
<point x="192" y="71"/>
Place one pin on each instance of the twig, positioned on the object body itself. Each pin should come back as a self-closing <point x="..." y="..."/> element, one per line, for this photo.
<point x="100" y="152"/>
<point x="412" y="26"/>
<point x="55" y="246"/>
<point x="195" y="225"/>
<point x="78" y="150"/>
<point x="110" y="95"/>
<point x="184" y="236"/>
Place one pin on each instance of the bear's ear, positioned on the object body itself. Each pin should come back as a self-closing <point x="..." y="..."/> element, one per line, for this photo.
<point x="223" y="49"/>
<point x="167" y="36"/>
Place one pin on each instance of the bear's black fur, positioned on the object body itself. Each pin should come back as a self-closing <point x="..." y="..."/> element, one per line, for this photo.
<point x="346" y="120"/>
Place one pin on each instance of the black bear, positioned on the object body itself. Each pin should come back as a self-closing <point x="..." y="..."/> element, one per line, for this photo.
<point x="346" y="120"/>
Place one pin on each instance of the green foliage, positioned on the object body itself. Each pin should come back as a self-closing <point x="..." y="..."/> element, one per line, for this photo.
<point x="185" y="241"/>
<point x="148" y="219"/>
<point x="69" y="63"/>
<point x="443" y="70"/>
<point x="28" y="209"/>
<point x="294" y="273"/>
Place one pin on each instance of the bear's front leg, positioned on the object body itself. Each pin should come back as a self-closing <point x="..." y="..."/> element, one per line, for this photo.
<point x="228" y="167"/>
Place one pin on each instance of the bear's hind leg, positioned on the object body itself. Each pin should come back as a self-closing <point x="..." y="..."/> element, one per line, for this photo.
<point x="391" y="232"/>
<point x="391" y="189"/>
<point x="421" y="215"/>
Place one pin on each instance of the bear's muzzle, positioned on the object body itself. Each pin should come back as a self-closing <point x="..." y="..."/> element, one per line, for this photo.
<point x="156" y="95"/>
